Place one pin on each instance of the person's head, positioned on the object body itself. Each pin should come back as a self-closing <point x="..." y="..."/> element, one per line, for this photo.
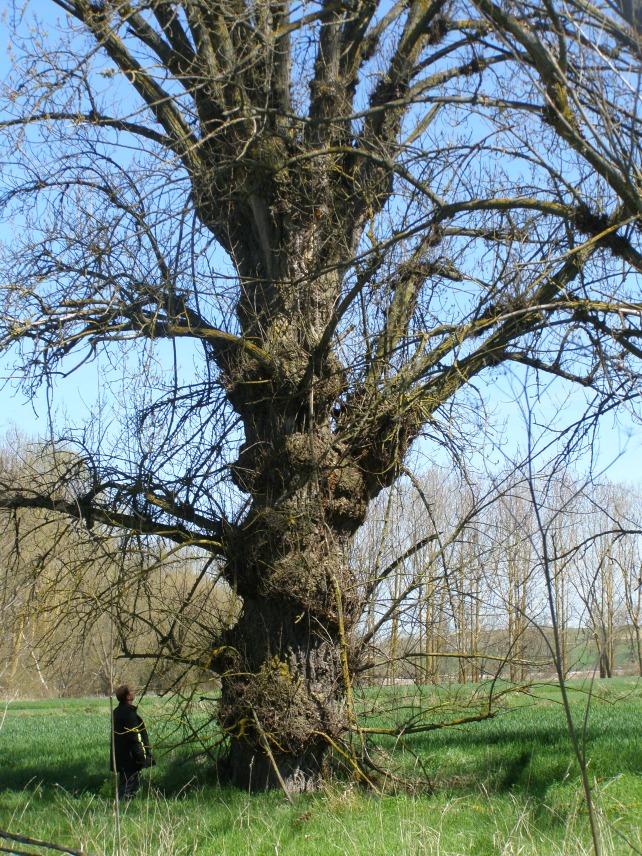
<point x="125" y="694"/>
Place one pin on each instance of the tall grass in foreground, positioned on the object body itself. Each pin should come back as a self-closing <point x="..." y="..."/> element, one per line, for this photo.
<point x="507" y="786"/>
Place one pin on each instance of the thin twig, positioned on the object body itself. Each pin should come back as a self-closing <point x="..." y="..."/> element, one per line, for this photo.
<point x="268" y="751"/>
<point x="15" y="852"/>
<point x="34" y="842"/>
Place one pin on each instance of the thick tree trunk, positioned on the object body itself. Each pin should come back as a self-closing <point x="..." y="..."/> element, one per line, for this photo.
<point x="311" y="461"/>
<point x="286" y="664"/>
<point x="283" y="699"/>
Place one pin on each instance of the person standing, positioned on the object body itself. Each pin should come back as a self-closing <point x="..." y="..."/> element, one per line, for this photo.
<point x="131" y="751"/>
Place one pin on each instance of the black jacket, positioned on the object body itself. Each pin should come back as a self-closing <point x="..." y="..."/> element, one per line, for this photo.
<point x="130" y="747"/>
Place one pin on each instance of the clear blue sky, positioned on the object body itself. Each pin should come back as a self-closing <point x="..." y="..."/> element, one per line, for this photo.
<point x="620" y="440"/>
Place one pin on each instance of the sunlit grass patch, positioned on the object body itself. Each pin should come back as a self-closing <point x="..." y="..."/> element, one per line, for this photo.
<point x="508" y="785"/>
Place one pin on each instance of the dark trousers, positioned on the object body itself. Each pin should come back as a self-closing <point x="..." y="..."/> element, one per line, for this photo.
<point x="128" y="783"/>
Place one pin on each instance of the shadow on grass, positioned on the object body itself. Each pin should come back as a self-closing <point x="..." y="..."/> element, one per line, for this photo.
<point x="508" y="756"/>
<point x="169" y="779"/>
<point x="72" y="777"/>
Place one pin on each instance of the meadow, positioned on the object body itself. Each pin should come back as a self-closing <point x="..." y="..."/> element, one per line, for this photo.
<point x="509" y="785"/>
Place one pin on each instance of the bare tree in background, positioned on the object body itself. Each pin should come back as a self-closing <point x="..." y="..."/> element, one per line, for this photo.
<point x="626" y="556"/>
<point x="327" y="218"/>
<point x="64" y="588"/>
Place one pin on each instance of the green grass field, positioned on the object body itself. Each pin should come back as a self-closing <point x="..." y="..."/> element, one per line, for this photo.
<point x="509" y="785"/>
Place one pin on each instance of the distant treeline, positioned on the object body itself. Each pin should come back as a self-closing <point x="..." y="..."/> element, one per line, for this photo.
<point x="459" y="581"/>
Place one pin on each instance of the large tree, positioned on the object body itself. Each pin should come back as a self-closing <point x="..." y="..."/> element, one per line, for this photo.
<point x="350" y="209"/>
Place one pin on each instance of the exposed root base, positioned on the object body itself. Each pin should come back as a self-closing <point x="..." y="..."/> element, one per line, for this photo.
<point x="251" y="770"/>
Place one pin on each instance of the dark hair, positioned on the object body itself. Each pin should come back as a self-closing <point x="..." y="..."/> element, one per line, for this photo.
<point x="122" y="692"/>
